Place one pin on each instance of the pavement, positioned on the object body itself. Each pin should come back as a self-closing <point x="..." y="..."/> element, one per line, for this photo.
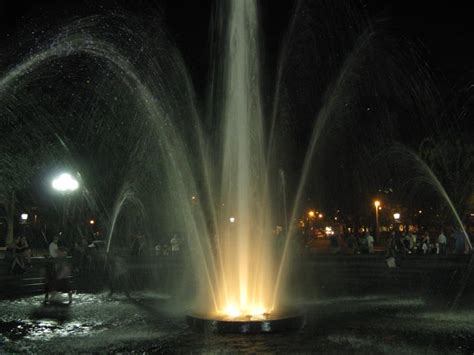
<point x="152" y="323"/>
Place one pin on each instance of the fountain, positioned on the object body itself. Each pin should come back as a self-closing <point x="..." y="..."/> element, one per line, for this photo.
<point x="243" y="283"/>
<point x="239" y="273"/>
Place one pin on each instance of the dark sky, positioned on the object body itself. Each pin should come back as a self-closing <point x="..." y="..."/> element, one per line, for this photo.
<point x="446" y="29"/>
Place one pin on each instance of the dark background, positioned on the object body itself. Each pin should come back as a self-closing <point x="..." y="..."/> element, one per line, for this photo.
<point x="444" y="29"/>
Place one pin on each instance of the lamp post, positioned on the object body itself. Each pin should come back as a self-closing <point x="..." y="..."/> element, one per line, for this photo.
<point x="377" y="227"/>
<point x="23" y="222"/>
<point x="65" y="183"/>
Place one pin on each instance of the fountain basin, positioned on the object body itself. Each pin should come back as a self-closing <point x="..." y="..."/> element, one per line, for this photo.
<point x="223" y="326"/>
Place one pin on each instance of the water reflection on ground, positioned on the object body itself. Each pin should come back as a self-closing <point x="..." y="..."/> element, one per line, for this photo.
<point x="150" y="323"/>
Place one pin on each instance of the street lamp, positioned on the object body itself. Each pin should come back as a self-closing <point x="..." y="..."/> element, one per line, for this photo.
<point x="65" y="183"/>
<point x="396" y="216"/>
<point x="377" y="228"/>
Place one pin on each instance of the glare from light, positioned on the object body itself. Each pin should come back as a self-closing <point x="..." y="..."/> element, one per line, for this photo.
<point x="257" y="311"/>
<point x="311" y="214"/>
<point x="320" y="215"/>
<point x="376" y="203"/>
<point x="232" y="311"/>
<point x="24" y="216"/>
<point x="252" y="312"/>
<point x="91" y="221"/>
<point x="65" y="183"/>
<point x="396" y="216"/>
<point x="232" y="219"/>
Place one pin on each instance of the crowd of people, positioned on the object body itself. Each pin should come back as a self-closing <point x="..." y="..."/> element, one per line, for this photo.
<point x="399" y="243"/>
<point x="90" y="256"/>
<point x="410" y="243"/>
<point x="173" y="248"/>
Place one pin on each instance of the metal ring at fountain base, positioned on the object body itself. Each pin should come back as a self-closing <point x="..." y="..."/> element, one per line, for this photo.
<point x="223" y="326"/>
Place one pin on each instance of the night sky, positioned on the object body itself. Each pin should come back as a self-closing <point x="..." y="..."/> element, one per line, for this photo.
<point x="445" y="30"/>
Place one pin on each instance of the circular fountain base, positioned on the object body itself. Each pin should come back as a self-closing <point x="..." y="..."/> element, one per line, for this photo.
<point x="269" y="325"/>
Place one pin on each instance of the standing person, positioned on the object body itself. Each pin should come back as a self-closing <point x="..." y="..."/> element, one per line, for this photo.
<point x="351" y="244"/>
<point x="390" y="247"/>
<point x="425" y="243"/>
<point x="442" y="243"/>
<point x="413" y="239"/>
<point x="334" y="242"/>
<point x="118" y="275"/>
<point x="142" y="250"/>
<point x="370" y="242"/>
<point x="58" y="276"/>
<point x="18" y="263"/>
<point x="364" y="243"/>
<point x="174" y="245"/>
<point x="81" y="255"/>
<point x="401" y="245"/>
<point x="54" y="247"/>
<point x="460" y="240"/>
<point x="407" y="242"/>
<point x="25" y="250"/>
<point x="391" y="250"/>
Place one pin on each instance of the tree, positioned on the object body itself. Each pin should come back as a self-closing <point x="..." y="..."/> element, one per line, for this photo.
<point x="452" y="161"/>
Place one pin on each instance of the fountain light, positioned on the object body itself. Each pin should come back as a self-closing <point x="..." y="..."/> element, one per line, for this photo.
<point x="232" y="311"/>
<point x="252" y="312"/>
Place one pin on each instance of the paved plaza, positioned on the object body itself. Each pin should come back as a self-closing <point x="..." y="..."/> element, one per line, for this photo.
<point x="151" y="323"/>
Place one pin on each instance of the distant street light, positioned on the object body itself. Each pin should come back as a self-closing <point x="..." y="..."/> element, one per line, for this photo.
<point x="311" y="214"/>
<point x="91" y="221"/>
<point x="377" y="227"/>
<point x="396" y="216"/>
<point x="24" y="217"/>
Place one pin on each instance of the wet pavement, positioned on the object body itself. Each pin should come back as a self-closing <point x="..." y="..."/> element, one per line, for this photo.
<point x="150" y="323"/>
